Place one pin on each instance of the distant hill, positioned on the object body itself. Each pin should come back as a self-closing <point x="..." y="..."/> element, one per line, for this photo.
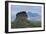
<point x="32" y="14"/>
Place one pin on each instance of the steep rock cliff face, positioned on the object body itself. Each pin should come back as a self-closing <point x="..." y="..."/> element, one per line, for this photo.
<point x="21" y="20"/>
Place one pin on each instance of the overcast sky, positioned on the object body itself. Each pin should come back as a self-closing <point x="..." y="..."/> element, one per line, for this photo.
<point x="17" y="8"/>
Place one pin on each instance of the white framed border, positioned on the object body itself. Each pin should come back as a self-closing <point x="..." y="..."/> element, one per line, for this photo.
<point x="25" y="29"/>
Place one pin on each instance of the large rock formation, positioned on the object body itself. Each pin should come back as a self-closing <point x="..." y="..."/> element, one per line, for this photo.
<point x="21" y="20"/>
